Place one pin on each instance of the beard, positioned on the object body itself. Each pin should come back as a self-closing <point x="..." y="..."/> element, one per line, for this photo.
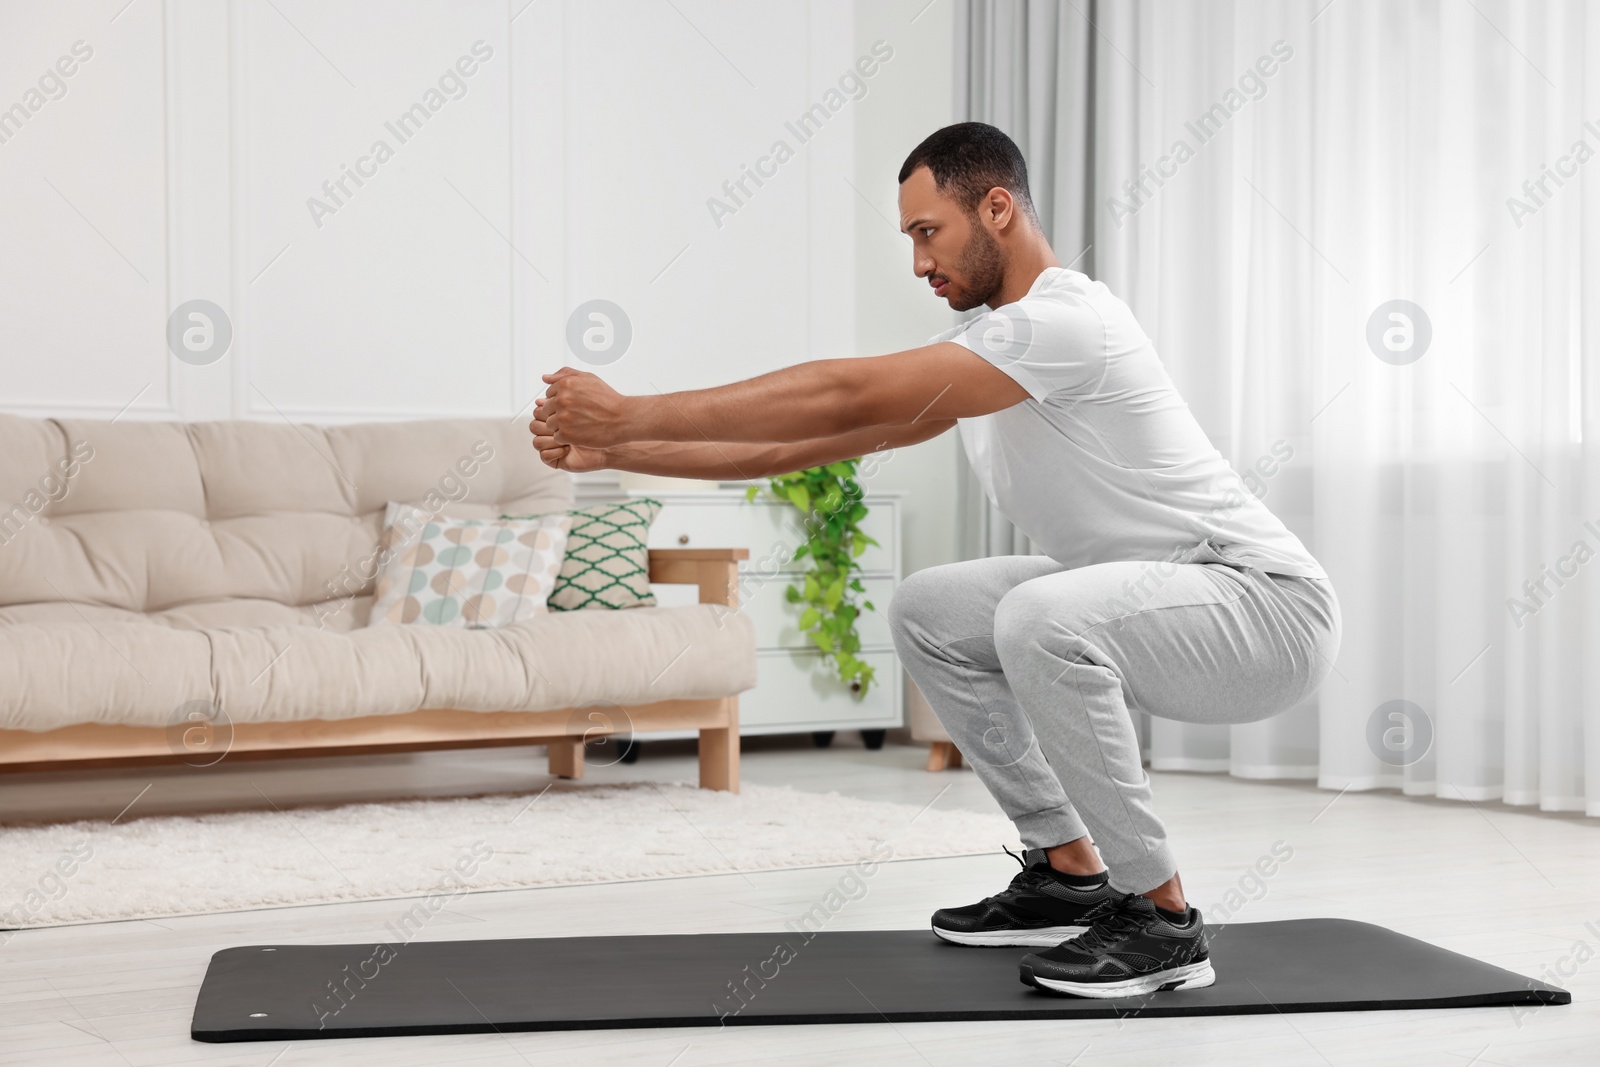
<point x="982" y="268"/>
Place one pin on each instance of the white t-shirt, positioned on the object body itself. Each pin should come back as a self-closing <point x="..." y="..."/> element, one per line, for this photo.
<point x="1105" y="462"/>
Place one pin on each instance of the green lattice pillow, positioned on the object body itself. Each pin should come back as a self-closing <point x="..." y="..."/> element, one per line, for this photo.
<point x="607" y="562"/>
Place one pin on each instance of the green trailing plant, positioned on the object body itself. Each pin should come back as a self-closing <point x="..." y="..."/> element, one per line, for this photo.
<point x="829" y="501"/>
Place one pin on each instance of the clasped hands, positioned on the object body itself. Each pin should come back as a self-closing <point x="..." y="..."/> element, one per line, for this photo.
<point x="577" y="419"/>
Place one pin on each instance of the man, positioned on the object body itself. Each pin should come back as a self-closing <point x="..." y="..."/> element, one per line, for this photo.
<point x="1165" y="585"/>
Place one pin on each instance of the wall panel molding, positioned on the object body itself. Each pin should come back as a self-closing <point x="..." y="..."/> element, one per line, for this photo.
<point x="592" y="202"/>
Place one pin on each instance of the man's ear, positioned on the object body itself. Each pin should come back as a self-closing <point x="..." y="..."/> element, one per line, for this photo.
<point x="998" y="207"/>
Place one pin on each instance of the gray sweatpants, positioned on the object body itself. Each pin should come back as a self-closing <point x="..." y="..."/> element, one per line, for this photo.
<point x="1033" y="669"/>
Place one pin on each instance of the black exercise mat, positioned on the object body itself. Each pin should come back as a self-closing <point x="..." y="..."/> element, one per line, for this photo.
<point x="286" y="992"/>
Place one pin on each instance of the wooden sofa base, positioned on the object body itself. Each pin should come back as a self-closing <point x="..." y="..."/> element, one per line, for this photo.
<point x="565" y="732"/>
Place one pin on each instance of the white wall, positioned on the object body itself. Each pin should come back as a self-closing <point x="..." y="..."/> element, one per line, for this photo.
<point x="894" y="309"/>
<point x="84" y="237"/>
<point x="575" y="162"/>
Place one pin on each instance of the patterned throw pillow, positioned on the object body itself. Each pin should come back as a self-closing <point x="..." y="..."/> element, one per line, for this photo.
<point x="608" y="559"/>
<point x="475" y="573"/>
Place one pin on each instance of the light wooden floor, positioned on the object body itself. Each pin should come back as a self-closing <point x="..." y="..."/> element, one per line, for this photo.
<point x="1508" y="886"/>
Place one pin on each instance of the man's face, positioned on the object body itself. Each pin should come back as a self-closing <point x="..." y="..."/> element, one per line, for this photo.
<point x="949" y="246"/>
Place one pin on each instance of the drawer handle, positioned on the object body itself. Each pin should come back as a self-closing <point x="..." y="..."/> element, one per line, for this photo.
<point x="855" y="686"/>
<point x="683" y="539"/>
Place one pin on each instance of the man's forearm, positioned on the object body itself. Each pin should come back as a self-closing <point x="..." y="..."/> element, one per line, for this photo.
<point x="793" y="405"/>
<point x="714" y="462"/>
<point x="739" y="460"/>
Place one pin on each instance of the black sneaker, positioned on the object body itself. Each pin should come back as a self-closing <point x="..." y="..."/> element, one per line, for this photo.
<point x="1130" y="950"/>
<point x="1039" y="908"/>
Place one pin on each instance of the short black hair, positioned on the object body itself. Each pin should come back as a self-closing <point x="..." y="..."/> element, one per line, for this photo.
<point x="970" y="158"/>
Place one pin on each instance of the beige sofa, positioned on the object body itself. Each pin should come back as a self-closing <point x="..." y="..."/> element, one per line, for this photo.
<point x="169" y="590"/>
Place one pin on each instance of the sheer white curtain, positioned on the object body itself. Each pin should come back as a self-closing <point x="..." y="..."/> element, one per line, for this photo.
<point x="1262" y="181"/>
<point x="1027" y="67"/>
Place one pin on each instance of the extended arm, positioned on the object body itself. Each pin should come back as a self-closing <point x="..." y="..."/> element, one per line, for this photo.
<point x="731" y="460"/>
<point x="822" y="399"/>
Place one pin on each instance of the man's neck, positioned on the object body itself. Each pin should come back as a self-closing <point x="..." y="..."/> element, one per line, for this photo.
<point x="1026" y="264"/>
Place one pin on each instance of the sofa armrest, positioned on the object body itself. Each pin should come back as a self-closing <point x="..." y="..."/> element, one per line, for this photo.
<point x="714" y="570"/>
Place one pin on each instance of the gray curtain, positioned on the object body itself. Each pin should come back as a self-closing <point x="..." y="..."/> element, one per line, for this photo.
<point x="1027" y="66"/>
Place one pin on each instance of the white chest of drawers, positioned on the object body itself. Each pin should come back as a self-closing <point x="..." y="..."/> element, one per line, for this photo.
<point x="796" y="691"/>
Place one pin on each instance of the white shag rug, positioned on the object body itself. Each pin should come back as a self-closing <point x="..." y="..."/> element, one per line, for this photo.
<point x="174" y="865"/>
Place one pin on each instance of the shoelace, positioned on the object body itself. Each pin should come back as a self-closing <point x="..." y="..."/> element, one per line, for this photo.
<point x="1027" y="878"/>
<point x="1109" y="927"/>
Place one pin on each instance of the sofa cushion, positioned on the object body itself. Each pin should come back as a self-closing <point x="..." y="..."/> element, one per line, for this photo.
<point x="140" y="675"/>
<point x="59" y="674"/>
<point x="159" y="515"/>
<point x="234" y="612"/>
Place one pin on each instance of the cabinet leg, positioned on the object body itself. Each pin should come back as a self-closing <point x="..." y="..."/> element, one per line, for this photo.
<point x="943" y="755"/>
<point x="566" y="759"/>
<point x="873" y="739"/>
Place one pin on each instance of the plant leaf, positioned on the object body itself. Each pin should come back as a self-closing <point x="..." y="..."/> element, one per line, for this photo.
<point x="831" y="510"/>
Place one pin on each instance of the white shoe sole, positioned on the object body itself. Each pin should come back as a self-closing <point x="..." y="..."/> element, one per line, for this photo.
<point x="1041" y="937"/>
<point x="1190" y="976"/>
